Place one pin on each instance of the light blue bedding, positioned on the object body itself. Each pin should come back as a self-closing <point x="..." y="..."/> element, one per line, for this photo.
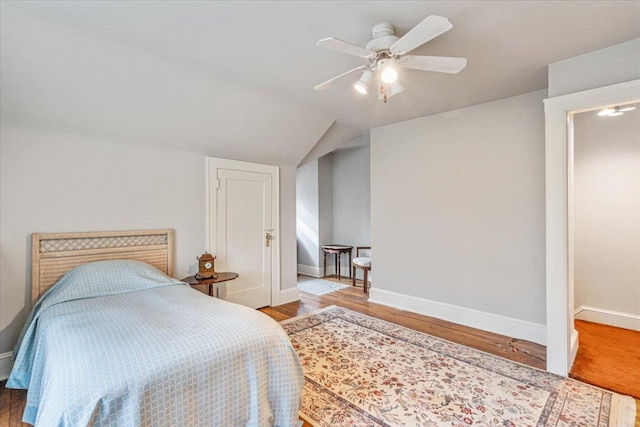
<point x="120" y="343"/>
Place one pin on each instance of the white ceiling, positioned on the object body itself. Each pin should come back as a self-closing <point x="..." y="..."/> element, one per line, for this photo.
<point x="235" y="79"/>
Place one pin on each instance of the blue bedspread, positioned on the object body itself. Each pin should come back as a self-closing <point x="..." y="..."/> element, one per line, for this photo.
<point x="137" y="349"/>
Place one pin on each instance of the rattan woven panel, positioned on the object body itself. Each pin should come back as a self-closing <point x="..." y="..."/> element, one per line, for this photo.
<point x="53" y="268"/>
<point x="101" y="242"/>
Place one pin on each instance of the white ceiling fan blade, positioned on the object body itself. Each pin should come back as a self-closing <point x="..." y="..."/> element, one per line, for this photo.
<point x="344" y="47"/>
<point x="427" y="30"/>
<point x="439" y="64"/>
<point x="330" y="82"/>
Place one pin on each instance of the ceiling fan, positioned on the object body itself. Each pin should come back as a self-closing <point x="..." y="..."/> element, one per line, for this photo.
<point x="386" y="53"/>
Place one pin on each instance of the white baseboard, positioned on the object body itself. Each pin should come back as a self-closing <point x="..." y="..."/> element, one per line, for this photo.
<point x="496" y="323"/>
<point x="309" y="270"/>
<point x="5" y="365"/>
<point x="317" y="272"/>
<point x="575" y="343"/>
<point x="289" y="295"/>
<point x="608" y="317"/>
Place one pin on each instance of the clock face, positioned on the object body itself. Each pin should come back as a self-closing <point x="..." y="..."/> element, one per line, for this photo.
<point x="208" y="265"/>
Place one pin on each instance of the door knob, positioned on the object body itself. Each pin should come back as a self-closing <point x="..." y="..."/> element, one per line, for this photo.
<point x="268" y="238"/>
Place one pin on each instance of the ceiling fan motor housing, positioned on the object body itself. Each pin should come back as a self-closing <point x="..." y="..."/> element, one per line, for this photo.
<point x="383" y="36"/>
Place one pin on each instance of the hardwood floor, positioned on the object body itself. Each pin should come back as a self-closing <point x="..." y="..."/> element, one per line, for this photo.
<point x="353" y="298"/>
<point x="12" y="401"/>
<point x="608" y="357"/>
<point x="12" y="406"/>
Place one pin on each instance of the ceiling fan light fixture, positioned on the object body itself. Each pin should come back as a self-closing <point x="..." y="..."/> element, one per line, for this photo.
<point x="615" y="113"/>
<point x="362" y="85"/>
<point x="395" y="88"/>
<point x="627" y="108"/>
<point x="389" y="74"/>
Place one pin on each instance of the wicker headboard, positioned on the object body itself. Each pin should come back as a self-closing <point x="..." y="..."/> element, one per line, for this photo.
<point x="53" y="254"/>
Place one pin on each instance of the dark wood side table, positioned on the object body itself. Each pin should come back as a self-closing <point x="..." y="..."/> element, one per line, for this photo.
<point x="220" y="277"/>
<point x="337" y="250"/>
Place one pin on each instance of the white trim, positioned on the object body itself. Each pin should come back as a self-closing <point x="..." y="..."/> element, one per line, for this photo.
<point x="559" y="206"/>
<point x="5" y="365"/>
<point x="214" y="163"/>
<point x="309" y="270"/>
<point x="289" y="295"/>
<point x="608" y="317"/>
<point x="496" y="323"/>
<point x="575" y="343"/>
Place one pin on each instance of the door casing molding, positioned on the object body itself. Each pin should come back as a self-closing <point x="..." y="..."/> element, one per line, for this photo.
<point x="562" y="339"/>
<point x="213" y="163"/>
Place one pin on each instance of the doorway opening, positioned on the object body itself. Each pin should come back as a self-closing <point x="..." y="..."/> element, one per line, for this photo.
<point x="333" y="207"/>
<point x="606" y="223"/>
<point x="562" y="338"/>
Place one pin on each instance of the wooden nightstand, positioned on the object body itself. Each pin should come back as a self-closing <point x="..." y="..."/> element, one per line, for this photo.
<point x="220" y="277"/>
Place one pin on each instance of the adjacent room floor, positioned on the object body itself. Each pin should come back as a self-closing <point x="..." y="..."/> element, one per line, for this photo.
<point x="608" y="357"/>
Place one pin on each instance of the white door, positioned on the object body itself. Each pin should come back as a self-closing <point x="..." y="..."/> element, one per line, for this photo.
<point x="243" y="229"/>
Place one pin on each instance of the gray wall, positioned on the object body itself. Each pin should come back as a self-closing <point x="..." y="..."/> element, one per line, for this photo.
<point x="607" y="212"/>
<point x="325" y="207"/>
<point x="457" y="209"/>
<point x="307" y="214"/>
<point x="615" y="64"/>
<point x="58" y="183"/>
<point x="352" y="196"/>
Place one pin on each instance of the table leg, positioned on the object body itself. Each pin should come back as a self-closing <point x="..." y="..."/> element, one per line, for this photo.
<point x="324" y="271"/>
<point x="349" y="263"/>
<point x="210" y="289"/>
<point x="338" y="255"/>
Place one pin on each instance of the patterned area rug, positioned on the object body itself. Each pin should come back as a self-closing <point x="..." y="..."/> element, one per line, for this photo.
<point x="362" y="371"/>
<point x="315" y="286"/>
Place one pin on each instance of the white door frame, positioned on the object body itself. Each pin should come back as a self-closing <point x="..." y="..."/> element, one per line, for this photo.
<point x="212" y="162"/>
<point x="562" y="339"/>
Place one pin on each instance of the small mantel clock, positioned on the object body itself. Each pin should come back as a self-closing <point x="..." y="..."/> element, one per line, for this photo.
<point x="206" y="266"/>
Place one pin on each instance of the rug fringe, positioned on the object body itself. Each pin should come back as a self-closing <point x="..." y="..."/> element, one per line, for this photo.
<point x="626" y="416"/>
<point x="308" y="420"/>
<point x="302" y="316"/>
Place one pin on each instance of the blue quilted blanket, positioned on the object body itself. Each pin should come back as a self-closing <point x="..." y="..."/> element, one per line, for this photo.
<point x="119" y="343"/>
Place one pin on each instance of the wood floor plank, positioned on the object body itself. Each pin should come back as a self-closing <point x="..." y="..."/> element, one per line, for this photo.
<point x="18" y="402"/>
<point x="5" y="405"/>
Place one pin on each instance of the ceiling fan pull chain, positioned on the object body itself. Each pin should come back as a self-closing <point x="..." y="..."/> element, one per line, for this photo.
<point x="384" y="95"/>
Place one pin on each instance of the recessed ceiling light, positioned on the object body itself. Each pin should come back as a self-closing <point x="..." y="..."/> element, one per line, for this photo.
<point x="616" y="111"/>
<point x="606" y="111"/>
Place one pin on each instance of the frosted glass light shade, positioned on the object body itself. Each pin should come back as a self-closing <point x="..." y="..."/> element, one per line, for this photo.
<point x="389" y="74"/>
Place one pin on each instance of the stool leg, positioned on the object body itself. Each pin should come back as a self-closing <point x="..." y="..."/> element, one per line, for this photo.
<point x="354" y="276"/>
<point x="339" y="265"/>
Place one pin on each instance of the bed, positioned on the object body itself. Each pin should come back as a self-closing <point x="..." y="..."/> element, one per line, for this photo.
<point x="117" y="341"/>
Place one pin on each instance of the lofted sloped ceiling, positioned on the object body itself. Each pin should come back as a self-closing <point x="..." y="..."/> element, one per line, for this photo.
<point x="235" y="79"/>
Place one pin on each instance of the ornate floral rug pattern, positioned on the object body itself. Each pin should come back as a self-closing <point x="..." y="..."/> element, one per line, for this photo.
<point x="362" y="371"/>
